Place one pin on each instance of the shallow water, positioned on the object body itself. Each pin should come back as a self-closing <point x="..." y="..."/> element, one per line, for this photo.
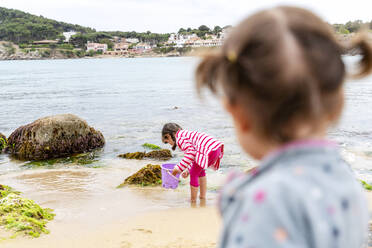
<point x="129" y="100"/>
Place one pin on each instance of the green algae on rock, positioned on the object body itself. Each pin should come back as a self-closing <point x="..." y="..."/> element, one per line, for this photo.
<point x="22" y="215"/>
<point x="54" y="137"/>
<point x="151" y="146"/>
<point x="163" y="154"/>
<point x="3" y="142"/>
<point x="79" y="159"/>
<point x="149" y="175"/>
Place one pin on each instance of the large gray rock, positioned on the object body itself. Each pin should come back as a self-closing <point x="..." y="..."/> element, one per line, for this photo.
<point x="53" y="137"/>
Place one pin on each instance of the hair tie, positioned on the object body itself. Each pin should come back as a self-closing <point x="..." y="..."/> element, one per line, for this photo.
<point x="232" y="57"/>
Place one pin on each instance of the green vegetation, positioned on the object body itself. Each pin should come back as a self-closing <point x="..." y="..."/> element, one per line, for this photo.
<point x="3" y="142"/>
<point x="79" y="40"/>
<point x="165" y="50"/>
<point x="22" y="215"/>
<point x="10" y="49"/>
<point x="366" y="185"/>
<point x="80" y="159"/>
<point x="202" y="31"/>
<point x="351" y="27"/>
<point x="151" y="146"/>
<point x="150" y="175"/>
<point x="20" y="27"/>
<point x="148" y="36"/>
<point x="45" y="53"/>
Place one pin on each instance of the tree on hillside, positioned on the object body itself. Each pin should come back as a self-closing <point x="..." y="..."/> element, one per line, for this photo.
<point x="79" y="40"/>
<point x="182" y="31"/>
<point x="21" y="27"/>
<point x="204" y="28"/>
<point x="217" y="30"/>
<point x="109" y="43"/>
<point x="353" y="26"/>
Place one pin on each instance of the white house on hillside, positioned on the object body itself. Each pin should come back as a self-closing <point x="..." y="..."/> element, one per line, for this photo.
<point x="96" y="47"/>
<point x="68" y="35"/>
<point x="132" y="40"/>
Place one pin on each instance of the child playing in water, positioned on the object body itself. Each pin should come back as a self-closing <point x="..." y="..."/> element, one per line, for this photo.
<point x="280" y="74"/>
<point x="201" y="151"/>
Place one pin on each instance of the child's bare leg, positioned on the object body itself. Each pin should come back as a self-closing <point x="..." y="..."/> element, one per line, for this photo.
<point x="203" y="187"/>
<point x="194" y="193"/>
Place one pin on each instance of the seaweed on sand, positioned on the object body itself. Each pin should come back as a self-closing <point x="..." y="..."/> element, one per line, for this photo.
<point x="22" y="215"/>
<point x="366" y="185"/>
<point x="149" y="175"/>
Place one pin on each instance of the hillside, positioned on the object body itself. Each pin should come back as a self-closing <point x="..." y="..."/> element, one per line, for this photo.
<point x="18" y="26"/>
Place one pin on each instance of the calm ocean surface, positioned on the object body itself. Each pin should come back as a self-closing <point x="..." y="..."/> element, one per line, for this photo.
<point x="130" y="99"/>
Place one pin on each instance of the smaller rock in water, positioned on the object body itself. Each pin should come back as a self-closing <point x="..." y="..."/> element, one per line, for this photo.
<point x="163" y="154"/>
<point x="132" y="155"/>
<point x="149" y="175"/>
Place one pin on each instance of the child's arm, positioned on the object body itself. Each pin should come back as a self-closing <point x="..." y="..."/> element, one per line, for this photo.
<point x="189" y="156"/>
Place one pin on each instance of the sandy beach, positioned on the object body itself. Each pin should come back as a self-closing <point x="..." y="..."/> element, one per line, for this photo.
<point x="176" y="228"/>
<point x="180" y="228"/>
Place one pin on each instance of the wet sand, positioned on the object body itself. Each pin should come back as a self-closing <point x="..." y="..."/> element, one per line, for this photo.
<point x="91" y="212"/>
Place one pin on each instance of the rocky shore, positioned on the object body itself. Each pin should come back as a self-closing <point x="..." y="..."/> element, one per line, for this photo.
<point x="9" y="51"/>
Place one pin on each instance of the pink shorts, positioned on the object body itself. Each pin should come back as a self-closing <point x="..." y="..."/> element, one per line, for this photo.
<point x="196" y="171"/>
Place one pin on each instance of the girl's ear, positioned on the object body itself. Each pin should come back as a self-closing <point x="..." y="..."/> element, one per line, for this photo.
<point x="239" y="115"/>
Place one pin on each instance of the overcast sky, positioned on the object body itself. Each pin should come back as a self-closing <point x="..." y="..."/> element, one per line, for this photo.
<point x="170" y="15"/>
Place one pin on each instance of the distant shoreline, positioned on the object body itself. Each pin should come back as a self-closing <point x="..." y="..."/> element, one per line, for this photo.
<point x="62" y="54"/>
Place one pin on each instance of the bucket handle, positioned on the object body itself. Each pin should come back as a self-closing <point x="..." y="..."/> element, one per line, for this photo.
<point x="168" y="171"/>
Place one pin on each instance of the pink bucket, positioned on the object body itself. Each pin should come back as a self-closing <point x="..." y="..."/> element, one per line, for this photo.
<point x="168" y="180"/>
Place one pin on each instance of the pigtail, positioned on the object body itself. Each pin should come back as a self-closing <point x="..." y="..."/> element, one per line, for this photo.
<point x="207" y="71"/>
<point x="363" y="42"/>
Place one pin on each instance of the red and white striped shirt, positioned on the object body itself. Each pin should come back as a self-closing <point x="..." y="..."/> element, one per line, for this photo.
<point x="197" y="147"/>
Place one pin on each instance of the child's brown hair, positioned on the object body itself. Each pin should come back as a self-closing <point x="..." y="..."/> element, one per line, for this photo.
<point x="284" y="66"/>
<point x="171" y="130"/>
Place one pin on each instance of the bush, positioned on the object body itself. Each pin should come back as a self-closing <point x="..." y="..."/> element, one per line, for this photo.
<point x="65" y="46"/>
<point x="10" y="49"/>
<point x="79" y="53"/>
<point x="23" y="45"/>
<point x="91" y="53"/>
<point x="45" y="53"/>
